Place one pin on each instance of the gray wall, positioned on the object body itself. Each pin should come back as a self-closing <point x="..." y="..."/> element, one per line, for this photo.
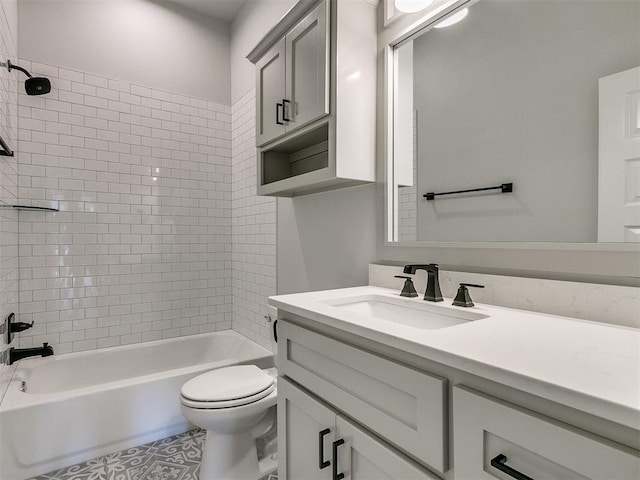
<point x="511" y="94"/>
<point x="326" y="240"/>
<point x="145" y="42"/>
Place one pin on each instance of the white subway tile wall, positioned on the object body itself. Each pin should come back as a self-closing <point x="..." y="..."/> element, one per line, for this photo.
<point x="8" y="189"/>
<point x="254" y="230"/>
<point x="408" y="197"/>
<point x="141" y="247"/>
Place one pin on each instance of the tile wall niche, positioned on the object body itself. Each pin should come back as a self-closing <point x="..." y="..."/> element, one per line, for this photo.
<point x="254" y="230"/>
<point x="141" y="247"/>
<point x="8" y="188"/>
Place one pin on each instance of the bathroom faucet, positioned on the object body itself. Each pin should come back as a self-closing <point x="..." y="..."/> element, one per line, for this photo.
<point x="433" y="293"/>
<point x="16" y="354"/>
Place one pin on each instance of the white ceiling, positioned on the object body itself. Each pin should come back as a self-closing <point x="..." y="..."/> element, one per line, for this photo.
<point x="225" y="10"/>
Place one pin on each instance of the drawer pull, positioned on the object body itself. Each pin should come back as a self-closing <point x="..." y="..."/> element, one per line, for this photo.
<point x="500" y="462"/>
<point x="278" y="107"/>
<point x="336" y="475"/>
<point x="322" y="463"/>
<point x="284" y="110"/>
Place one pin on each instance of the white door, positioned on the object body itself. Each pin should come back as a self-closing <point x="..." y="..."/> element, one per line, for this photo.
<point x="619" y="158"/>
<point x="306" y="431"/>
<point x="270" y="81"/>
<point x="363" y="457"/>
<point x="307" y="69"/>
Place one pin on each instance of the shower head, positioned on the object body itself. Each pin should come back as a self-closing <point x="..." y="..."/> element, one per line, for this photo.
<point x="32" y="85"/>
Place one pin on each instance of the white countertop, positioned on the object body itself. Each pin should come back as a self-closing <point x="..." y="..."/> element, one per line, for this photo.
<point x="590" y="366"/>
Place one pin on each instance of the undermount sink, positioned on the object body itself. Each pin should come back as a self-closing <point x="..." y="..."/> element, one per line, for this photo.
<point x="406" y="312"/>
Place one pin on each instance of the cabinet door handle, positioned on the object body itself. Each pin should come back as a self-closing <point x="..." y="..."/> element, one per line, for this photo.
<point x="500" y="462"/>
<point x="278" y="107"/>
<point x="336" y="444"/>
<point x="284" y="110"/>
<point x="322" y="463"/>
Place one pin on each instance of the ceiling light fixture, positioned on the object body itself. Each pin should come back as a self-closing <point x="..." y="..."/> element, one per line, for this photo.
<point x="453" y="19"/>
<point x="411" y="6"/>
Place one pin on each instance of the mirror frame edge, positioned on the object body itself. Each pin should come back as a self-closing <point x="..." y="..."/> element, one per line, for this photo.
<point x="391" y="35"/>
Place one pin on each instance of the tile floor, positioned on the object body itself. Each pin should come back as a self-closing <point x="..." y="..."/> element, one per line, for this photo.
<point x="172" y="458"/>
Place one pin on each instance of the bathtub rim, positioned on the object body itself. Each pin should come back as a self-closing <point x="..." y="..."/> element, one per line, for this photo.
<point x="14" y="399"/>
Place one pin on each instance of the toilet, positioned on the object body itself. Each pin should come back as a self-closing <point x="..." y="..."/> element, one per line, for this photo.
<point x="236" y="406"/>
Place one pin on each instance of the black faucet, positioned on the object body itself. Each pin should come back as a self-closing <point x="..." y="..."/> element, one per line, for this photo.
<point x="433" y="293"/>
<point x="16" y="354"/>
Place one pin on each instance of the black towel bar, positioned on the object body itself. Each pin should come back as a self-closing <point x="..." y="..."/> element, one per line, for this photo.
<point x="504" y="188"/>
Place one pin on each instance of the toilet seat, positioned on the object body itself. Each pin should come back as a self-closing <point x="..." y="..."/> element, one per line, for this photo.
<point x="227" y="387"/>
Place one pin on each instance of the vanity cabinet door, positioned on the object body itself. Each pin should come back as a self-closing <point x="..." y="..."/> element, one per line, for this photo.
<point x="403" y="405"/>
<point x="306" y="431"/>
<point x="270" y="93"/>
<point x="307" y="69"/>
<point x="364" y="457"/>
<point x="493" y="439"/>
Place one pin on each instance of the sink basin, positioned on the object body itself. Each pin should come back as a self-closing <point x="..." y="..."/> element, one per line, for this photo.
<point x="406" y="312"/>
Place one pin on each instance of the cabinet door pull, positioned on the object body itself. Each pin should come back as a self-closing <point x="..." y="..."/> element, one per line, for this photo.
<point x="500" y="462"/>
<point x="336" y="475"/>
<point x="322" y="463"/>
<point x="284" y="110"/>
<point x="278" y="107"/>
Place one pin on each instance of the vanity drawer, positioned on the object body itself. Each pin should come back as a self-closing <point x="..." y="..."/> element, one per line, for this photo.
<point x="486" y="429"/>
<point x="397" y="402"/>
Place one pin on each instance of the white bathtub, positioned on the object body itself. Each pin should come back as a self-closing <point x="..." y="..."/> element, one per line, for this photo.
<point x="82" y="405"/>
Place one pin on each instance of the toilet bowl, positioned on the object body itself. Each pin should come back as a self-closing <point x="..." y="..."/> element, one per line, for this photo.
<point x="235" y="405"/>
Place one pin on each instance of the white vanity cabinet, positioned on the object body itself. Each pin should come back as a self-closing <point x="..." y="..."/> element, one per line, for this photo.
<point x="316" y="98"/>
<point x="292" y="87"/>
<point x="402" y="417"/>
<point x="319" y="444"/>
<point x="396" y="402"/>
<point x="495" y="439"/>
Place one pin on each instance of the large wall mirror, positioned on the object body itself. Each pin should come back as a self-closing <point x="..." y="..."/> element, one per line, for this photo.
<point x="517" y="121"/>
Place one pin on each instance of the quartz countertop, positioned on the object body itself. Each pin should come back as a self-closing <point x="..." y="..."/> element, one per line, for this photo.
<point x="593" y="367"/>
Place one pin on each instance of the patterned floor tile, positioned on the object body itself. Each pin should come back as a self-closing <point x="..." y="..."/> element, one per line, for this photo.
<point x="173" y="458"/>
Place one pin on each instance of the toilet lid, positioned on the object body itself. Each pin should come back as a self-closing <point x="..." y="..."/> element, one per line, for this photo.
<point x="228" y="383"/>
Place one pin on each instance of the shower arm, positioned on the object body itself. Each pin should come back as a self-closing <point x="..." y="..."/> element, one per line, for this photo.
<point x="11" y="66"/>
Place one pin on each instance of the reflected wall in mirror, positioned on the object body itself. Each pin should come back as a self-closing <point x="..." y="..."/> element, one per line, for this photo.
<point x="543" y="94"/>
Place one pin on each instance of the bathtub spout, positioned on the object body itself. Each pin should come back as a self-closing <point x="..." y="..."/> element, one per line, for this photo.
<point x="16" y="354"/>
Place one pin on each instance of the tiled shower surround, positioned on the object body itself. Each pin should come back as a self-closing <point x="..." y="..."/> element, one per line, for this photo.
<point x="8" y="186"/>
<point x="141" y="247"/>
<point x="254" y="230"/>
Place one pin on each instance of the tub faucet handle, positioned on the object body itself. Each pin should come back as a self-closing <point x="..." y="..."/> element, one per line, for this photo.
<point x="11" y="326"/>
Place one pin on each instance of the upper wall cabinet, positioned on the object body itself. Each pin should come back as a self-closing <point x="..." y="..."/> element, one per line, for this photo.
<point x="316" y="98"/>
<point x="291" y="78"/>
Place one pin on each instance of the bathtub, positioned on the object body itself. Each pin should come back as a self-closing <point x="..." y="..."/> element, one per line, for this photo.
<point x="79" y="406"/>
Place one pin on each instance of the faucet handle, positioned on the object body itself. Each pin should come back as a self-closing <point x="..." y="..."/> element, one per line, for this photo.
<point x="463" y="299"/>
<point x="408" y="290"/>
